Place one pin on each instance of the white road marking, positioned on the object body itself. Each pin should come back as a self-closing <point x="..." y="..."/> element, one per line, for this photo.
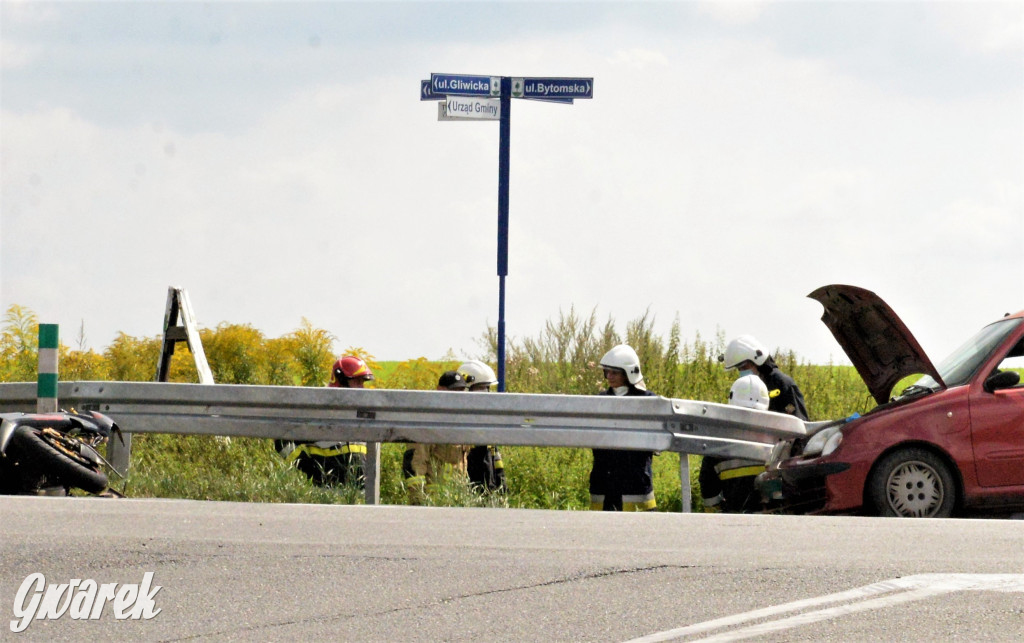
<point x="885" y="593"/>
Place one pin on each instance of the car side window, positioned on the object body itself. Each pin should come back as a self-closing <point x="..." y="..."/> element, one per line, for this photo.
<point x="1014" y="361"/>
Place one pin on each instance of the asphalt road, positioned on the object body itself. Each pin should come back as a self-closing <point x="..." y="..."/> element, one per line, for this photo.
<point x="234" y="571"/>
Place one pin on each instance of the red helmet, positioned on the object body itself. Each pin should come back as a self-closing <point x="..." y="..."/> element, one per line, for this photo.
<point x="349" y="367"/>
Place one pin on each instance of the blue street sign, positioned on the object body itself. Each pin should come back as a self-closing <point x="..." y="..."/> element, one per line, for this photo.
<point x="552" y="87"/>
<point x="465" y="85"/>
<point x="426" y="94"/>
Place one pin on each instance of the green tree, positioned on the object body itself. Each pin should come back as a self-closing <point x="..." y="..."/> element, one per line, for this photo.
<point x="312" y="350"/>
<point x="19" y="345"/>
<point x="415" y="374"/>
<point x="82" y="365"/>
<point x="132" y="359"/>
<point x="235" y="354"/>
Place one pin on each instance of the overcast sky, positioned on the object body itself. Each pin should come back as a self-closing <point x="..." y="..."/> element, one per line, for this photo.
<point x="275" y="160"/>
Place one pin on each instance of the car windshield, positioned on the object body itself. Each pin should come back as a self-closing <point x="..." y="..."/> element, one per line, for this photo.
<point x="959" y="367"/>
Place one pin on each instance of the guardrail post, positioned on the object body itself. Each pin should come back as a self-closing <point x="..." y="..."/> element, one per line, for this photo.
<point x="371" y="473"/>
<point x="684" y="483"/>
<point x="119" y="452"/>
<point x="46" y="378"/>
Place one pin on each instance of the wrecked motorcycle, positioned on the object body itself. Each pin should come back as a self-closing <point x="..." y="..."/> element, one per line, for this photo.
<point x="52" y="453"/>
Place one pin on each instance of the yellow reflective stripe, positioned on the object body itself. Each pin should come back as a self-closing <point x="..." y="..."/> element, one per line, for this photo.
<point x="326" y="453"/>
<point x="736" y="463"/>
<point x="775" y="392"/>
<point x="629" y="503"/>
<point x="741" y="472"/>
<point x="638" y="502"/>
<point x="646" y="505"/>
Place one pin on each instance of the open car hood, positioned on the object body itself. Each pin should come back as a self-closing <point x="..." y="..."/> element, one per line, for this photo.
<point x="877" y="342"/>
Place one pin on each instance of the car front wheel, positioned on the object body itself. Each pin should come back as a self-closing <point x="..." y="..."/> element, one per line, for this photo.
<point x="912" y="483"/>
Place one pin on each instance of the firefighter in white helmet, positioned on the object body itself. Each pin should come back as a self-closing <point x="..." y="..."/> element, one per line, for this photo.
<point x="330" y="463"/>
<point x="483" y="464"/>
<point x="727" y="484"/>
<point x="749" y="356"/>
<point x="622" y="480"/>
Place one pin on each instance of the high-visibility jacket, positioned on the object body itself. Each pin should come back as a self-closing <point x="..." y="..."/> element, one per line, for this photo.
<point x="622" y="480"/>
<point x="326" y="463"/>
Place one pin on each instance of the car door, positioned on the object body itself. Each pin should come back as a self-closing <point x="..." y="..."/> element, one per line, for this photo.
<point x="997" y="426"/>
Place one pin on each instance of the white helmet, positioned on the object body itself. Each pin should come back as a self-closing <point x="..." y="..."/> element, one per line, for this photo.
<point x="742" y="349"/>
<point x="476" y="372"/>
<point x="625" y="359"/>
<point x="750" y="392"/>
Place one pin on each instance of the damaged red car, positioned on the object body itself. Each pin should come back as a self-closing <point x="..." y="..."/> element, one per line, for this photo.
<point x="949" y="444"/>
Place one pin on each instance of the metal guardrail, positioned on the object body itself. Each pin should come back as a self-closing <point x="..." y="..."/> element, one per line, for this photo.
<point x="382" y="415"/>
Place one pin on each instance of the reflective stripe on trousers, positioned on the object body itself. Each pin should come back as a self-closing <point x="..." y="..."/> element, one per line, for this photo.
<point x="644" y="502"/>
<point x="738" y="468"/>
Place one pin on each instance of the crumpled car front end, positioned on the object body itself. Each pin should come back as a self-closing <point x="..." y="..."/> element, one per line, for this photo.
<point x="826" y="471"/>
<point x="799" y="473"/>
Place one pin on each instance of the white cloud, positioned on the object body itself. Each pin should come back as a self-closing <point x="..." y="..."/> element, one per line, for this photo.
<point x="985" y="27"/>
<point x="638" y="58"/>
<point x="29" y="12"/>
<point x="732" y="11"/>
<point x="14" y="55"/>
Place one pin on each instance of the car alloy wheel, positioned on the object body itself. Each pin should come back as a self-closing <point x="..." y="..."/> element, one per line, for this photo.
<point x="912" y="483"/>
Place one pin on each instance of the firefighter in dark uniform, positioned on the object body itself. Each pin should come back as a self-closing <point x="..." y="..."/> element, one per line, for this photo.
<point x="329" y="463"/>
<point x="749" y="357"/>
<point x="727" y="484"/>
<point x="483" y="462"/>
<point x="622" y="480"/>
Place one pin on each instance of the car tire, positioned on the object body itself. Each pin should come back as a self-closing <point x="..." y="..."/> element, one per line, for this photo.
<point x="35" y="451"/>
<point x="912" y="483"/>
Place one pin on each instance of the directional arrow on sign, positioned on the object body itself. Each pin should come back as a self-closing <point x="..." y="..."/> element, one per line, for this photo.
<point x="426" y="93"/>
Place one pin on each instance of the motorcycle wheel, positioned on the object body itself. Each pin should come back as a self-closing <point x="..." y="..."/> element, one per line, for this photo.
<point x="35" y="450"/>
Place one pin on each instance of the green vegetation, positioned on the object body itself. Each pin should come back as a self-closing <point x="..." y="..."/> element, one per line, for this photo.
<point x="560" y="359"/>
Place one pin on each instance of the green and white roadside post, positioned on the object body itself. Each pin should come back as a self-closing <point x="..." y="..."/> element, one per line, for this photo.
<point x="46" y="379"/>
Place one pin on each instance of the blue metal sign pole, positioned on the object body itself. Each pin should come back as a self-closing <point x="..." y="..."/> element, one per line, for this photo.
<point x="503" y="165"/>
<point x="505" y="88"/>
